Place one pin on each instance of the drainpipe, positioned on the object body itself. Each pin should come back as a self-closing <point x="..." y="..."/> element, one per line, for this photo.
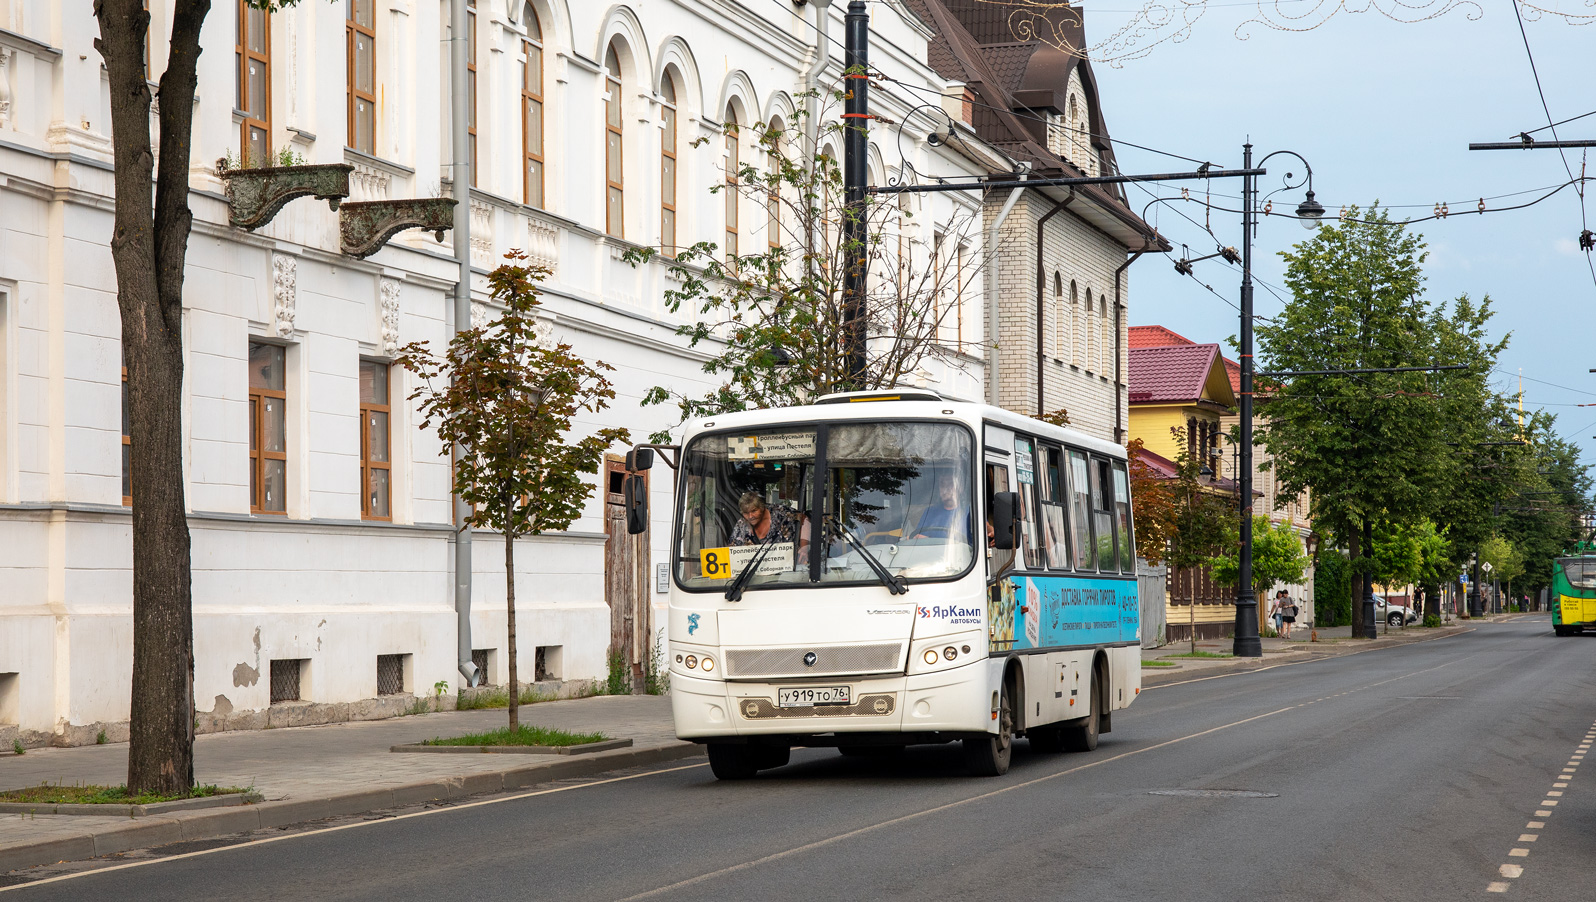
<point x="1119" y="340"/>
<point x="821" y="50"/>
<point x="461" y="173"/>
<point x="1041" y="288"/>
<point x="993" y="308"/>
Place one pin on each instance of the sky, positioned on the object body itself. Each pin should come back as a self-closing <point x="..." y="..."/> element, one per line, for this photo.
<point x="1381" y="110"/>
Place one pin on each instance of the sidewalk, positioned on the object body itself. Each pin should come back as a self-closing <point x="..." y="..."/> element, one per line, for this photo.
<point x="309" y="773"/>
<point x="1331" y="642"/>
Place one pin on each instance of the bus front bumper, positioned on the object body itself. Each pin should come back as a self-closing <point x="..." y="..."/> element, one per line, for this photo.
<point x="956" y="700"/>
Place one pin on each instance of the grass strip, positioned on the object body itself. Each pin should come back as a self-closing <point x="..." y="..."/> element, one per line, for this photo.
<point x="499" y="697"/>
<point x="1158" y="664"/>
<point x="91" y="794"/>
<point x="523" y="735"/>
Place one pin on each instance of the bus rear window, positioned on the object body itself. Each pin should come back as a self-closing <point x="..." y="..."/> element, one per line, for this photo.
<point x="1580" y="572"/>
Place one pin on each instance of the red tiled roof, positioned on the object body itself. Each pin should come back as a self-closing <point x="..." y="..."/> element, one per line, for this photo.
<point x="1162" y="336"/>
<point x="1170" y="373"/>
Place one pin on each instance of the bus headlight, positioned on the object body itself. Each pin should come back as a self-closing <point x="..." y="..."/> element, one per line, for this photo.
<point x="691" y="662"/>
<point x="950" y="652"/>
<point x="931" y="656"/>
<point x="707" y="664"/>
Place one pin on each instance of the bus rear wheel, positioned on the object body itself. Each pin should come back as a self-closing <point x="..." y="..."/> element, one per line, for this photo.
<point x="1083" y="738"/>
<point x="988" y="755"/>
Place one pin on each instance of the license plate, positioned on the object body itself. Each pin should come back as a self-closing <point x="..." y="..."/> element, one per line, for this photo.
<point x="809" y="696"/>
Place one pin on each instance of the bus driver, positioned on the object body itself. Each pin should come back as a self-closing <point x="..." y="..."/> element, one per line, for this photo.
<point x="949" y="513"/>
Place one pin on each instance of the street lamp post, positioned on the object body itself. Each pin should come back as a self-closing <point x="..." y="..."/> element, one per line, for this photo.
<point x="1248" y="644"/>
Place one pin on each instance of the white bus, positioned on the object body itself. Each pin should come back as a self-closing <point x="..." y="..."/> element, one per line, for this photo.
<point x="956" y="572"/>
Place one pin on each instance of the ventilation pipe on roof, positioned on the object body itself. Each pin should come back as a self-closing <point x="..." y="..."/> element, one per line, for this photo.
<point x="993" y="307"/>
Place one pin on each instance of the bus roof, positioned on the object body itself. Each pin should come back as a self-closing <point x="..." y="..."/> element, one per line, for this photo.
<point x="867" y="406"/>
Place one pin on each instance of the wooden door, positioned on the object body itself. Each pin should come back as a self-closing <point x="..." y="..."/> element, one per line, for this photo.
<point x="626" y="584"/>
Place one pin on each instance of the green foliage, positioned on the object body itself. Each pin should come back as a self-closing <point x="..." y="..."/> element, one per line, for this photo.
<point x="94" y="794"/>
<point x="774" y="321"/>
<point x="499" y="697"/>
<point x="17" y="748"/>
<point x="1407" y="554"/>
<point x="1201" y="517"/>
<point x="619" y="679"/>
<point x="521" y="735"/>
<point x="508" y="396"/>
<point x="100" y="738"/>
<point x="1332" y="589"/>
<point x="1505" y="560"/>
<point x="1431" y="621"/>
<point x="656" y="673"/>
<point x="1277" y="557"/>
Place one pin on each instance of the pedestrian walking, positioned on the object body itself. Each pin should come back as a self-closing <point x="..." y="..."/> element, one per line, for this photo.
<point x="1288" y="614"/>
<point x="1275" y="612"/>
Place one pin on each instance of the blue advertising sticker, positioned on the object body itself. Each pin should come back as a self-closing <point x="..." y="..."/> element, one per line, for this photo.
<point x="1071" y="610"/>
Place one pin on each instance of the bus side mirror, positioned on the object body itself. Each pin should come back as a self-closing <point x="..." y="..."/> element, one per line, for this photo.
<point x="639" y="459"/>
<point x="635" y="493"/>
<point x="1005" y="519"/>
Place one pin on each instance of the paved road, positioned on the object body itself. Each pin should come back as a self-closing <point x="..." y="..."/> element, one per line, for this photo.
<point x="1409" y="773"/>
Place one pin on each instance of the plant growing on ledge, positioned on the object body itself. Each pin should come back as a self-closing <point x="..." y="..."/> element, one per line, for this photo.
<point x="508" y="396"/>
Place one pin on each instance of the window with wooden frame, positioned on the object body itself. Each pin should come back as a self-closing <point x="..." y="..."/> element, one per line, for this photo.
<point x="471" y="86"/>
<point x="939" y="297"/>
<point x="268" y="429"/>
<point x="1056" y="329"/>
<point x="667" y="166"/>
<point x="532" y="110"/>
<point x="777" y="145"/>
<point x="254" y="52"/>
<point x="360" y="36"/>
<point x="127" y="444"/>
<point x="375" y="437"/>
<point x="1075" y="324"/>
<point x="614" y="185"/>
<point x="961" y="261"/>
<point x="1086" y="323"/>
<point x="733" y="164"/>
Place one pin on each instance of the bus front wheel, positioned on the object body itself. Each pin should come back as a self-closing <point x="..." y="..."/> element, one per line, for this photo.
<point x="988" y="755"/>
<point x="733" y="762"/>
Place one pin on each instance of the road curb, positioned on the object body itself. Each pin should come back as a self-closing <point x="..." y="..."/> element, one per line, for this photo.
<point x="159" y="829"/>
<point x="1302" y="656"/>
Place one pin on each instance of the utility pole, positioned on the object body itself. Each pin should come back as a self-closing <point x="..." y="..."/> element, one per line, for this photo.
<point x="855" y="176"/>
<point x="460" y="172"/>
<point x="1248" y="644"/>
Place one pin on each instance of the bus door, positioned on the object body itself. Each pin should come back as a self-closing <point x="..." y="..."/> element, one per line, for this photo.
<point x="997" y="461"/>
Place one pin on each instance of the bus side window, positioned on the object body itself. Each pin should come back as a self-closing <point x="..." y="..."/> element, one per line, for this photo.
<point x="1122" y="519"/>
<point x="997" y="480"/>
<point x="1080" y="512"/>
<point x="1053" y="515"/>
<point x="1025" y="465"/>
<point x="1102" y="514"/>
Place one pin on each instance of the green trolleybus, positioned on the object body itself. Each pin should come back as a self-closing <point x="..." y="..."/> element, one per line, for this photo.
<point x="1574" y="591"/>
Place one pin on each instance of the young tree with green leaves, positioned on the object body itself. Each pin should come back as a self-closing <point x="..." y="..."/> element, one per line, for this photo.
<point x="1199" y="518"/>
<point x="1277" y="557"/>
<point x="773" y="320"/>
<point x="1371" y="447"/>
<point x="507" y="395"/>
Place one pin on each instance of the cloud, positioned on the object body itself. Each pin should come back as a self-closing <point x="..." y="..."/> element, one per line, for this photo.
<point x="1567" y="247"/>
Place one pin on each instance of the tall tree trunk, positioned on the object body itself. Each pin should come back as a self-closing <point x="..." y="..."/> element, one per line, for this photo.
<point x="149" y="250"/>
<point x="509" y="617"/>
<point x="1354" y="548"/>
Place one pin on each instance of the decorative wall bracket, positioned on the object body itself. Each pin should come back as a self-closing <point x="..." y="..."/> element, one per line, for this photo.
<point x="368" y="225"/>
<point x="255" y="195"/>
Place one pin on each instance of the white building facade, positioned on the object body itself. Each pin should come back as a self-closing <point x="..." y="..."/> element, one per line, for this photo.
<point x="319" y="509"/>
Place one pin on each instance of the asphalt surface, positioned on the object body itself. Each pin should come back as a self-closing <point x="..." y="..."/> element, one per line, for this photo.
<point x="1406" y="773"/>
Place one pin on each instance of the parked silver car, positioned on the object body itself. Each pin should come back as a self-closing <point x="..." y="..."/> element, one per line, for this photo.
<point x="1394" y="614"/>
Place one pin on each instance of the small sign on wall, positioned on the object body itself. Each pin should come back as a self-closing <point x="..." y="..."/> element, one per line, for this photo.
<point x="662" y="578"/>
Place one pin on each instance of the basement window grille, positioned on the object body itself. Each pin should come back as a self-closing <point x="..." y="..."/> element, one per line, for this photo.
<point x="390" y="674"/>
<point x="285" y="680"/>
<point x="479" y="657"/>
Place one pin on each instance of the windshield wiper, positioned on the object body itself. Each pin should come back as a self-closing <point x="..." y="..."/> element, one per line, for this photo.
<point x="894" y="584"/>
<point x="734" y="592"/>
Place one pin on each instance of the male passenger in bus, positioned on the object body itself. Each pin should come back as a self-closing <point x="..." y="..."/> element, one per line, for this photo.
<point x="950" y="514"/>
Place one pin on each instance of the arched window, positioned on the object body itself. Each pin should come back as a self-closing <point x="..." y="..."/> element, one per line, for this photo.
<point x="1075" y="121"/>
<point x="733" y="163"/>
<point x="667" y="167"/>
<point x="1086" y="318"/>
<point x="532" y="110"/>
<point x="254" y="84"/>
<point x="1083" y="146"/>
<point x="614" y="185"/>
<point x="1105" y="346"/>
<point x="1055" y="327"/>
<point x="1075" y="324"/>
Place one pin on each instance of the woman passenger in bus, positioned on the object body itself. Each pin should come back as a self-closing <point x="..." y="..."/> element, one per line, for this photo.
<point x="761" y="523"/>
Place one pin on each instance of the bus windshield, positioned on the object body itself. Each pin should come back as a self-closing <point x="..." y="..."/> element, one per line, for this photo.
<point x="898" y="492"/>
<point x="1580" y="572"/>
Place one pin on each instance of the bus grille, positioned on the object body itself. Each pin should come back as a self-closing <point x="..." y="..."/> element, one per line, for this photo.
<point x="829" y="659"/>
<point x="877" y="705"/>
